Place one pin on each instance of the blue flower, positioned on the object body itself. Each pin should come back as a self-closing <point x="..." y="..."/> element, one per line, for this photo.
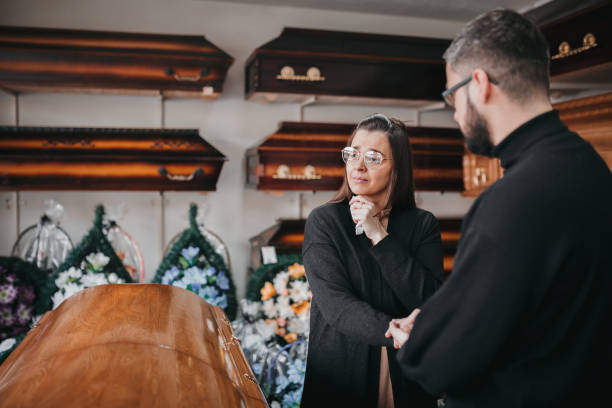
<point x="190" y="253"/>
<point x="222" y="281"/>
<point x="292" y="399"/>
<point x="297" y="371"/>
<point x="208" y="293"/>
<point x="220" y="301"/>
<point x="170" y="275"/>
<point x="194" y="275"/>
<point x="282" y="382"/>
<point x="257" y="367"/>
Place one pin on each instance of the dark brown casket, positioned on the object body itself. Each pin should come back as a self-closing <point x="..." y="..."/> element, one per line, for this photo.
<point x="130" y="345"/>
<point x="45" y="59"/>
<point x="341" y="67"/>
<point x="306" y="156"/>
<point x="35" y="158"/>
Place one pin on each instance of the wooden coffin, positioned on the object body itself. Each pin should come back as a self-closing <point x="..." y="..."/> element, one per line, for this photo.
<point x="130" y="345"/>
<point x="286" y="236"/>
<point x="347" y="67"/>
<point x="580" y="40"/>
<point x="306" y="156"/>
<point x="591" y="118"/>
<point x="45" y="59"/>
<point x="34" y="158"/>
<point x="450" y="231"/>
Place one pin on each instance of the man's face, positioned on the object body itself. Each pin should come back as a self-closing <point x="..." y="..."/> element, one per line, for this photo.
<point x="472" y="123"/>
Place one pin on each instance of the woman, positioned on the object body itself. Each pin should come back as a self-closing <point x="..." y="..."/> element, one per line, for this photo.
<point x="370" y="256"/>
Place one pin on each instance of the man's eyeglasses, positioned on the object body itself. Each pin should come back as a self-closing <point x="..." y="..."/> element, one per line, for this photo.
<point x="449" y="94"/>
<point x="371" y="158"/>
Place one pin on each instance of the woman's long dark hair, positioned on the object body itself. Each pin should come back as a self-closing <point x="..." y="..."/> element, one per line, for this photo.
<point x="401" y="183"/>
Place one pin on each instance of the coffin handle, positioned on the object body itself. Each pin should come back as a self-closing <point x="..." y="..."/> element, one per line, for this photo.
<point x="187" y="78"/>
<point x="178" y="177"/>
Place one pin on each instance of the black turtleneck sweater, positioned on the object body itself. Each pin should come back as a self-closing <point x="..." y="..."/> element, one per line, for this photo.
<point x="525" y="318"/>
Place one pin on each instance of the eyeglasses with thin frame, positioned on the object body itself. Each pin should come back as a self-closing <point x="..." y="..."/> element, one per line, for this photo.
<point x="371" y="158"/>
<point x="449" y="94"/>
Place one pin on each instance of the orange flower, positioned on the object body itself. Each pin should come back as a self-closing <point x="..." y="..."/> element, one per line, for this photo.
<point x="297" y="271"/>
<point x="290" y="337"/>
<point x="267" y="291"/>
<point x="299" y="308"/>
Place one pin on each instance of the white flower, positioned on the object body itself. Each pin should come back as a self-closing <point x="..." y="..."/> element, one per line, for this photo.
<point x="112" y="277"/>
<point x="62" y="279"/>
<point x="74" y="273"/>
<point x="7" y="344"/>
<point x="58" y="298"/>
<point x="298" y="325"/>
<point x="275" y="404"/>
<point x="98" y="261"/>
<point x="251" y="340"/>
<point x="250" y="308"/>
<point x="269" y="308"/>
<point x="266" y="329"/>
<point x="280" y="282"/>
<point x="72" y="288"/>
<point x="298" y="291"/>
<point x="283" y="308"/>
<point x="93" y="279"/>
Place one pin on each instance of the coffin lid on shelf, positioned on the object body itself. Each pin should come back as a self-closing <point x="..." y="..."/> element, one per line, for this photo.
<point x="306" y="156"/>
<point x="44" y="59"/>
<point x="286" y="236"/>
<point x="46" y="158"/>
<point x="347" y="67"/>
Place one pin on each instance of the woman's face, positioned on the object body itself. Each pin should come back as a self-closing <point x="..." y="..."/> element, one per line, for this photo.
<point x="370" y="181"/>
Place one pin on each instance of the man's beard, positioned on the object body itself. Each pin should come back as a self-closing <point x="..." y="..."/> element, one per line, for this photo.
<point x="476" y="132"/>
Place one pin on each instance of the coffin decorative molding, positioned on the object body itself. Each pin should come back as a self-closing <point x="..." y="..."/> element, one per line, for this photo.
<point x="306" y="156"/>
<point x="46" y="158"/>
<point x="347" y="67"/>
<point x="44" y="59"/>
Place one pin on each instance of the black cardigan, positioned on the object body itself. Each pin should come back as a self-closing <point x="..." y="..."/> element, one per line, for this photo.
<point x="357" y="288"/>
<point x="524" y="319"/>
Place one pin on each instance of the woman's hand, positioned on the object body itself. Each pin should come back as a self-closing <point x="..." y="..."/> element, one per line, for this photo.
<point x="400" y="328"/>
<point x="363" y="211"/>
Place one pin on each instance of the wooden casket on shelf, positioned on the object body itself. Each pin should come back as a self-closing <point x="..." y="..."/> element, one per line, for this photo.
<point x="306" y="156"/>
<point x="130" y="345"/>
<point x="45" y="59"/>
<point x="34" y="158"/>
<point x="347" y="67"/>
<point x="286" y="236"/>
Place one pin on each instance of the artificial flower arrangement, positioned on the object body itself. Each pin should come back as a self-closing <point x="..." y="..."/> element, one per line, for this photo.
<point x="93" y="271"/>
<point x="91" y="263"/>
<point x="194" y="265"/>
<point x="274" y="331"/>
<point x="20" y="301"/>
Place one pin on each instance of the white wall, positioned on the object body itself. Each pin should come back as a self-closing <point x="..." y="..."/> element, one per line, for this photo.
<point x="230" y="123"/>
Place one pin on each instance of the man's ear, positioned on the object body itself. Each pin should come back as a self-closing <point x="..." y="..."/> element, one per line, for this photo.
<point x="483" y="87"/>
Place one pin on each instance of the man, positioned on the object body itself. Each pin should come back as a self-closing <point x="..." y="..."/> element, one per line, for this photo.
<point x="524" y="319"/>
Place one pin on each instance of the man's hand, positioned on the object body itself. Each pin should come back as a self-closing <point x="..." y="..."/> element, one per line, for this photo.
<point x="400" y="328"/>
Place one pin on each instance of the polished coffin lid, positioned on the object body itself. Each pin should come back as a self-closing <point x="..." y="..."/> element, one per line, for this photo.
<point x="130" y="345"/>
<point x="306" y="156"/>
<point x="347" y="67"/>
<point x="37" y="158"/>
<point x="45" y="59"/>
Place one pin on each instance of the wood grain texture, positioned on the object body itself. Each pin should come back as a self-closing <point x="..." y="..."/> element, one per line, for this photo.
<point x="130" y="345"/>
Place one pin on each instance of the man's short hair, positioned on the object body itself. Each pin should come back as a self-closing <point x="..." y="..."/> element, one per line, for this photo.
<point x="509" y="48"/>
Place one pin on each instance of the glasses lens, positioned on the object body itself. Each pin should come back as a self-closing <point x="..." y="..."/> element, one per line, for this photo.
<point x="373" y="158"/>
<point x="349" y="154"/>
